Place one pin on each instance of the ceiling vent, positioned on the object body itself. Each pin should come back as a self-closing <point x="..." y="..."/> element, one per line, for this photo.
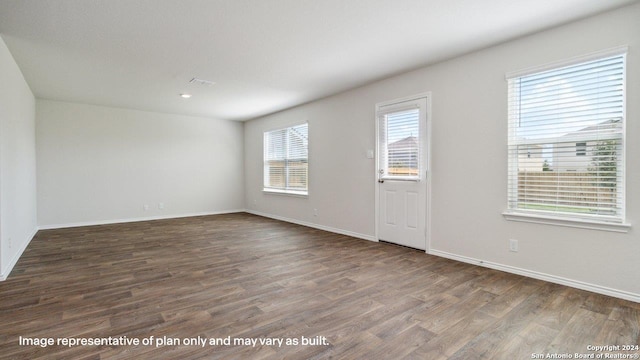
<point x="201" y="82"/>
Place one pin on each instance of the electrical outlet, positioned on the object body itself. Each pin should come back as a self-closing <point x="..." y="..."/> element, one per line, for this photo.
<point x="9" y="243"/>
<point x="161" y="206"/>
<point x="145" y="207"/>
<point x="513" y="245"/>
<point x="315" y="212"/>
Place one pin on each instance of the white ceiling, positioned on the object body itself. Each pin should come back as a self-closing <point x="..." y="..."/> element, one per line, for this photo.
<point x="263" y="55"/>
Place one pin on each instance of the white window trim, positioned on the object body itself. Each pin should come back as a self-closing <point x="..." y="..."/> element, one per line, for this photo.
<point x="419" y="101"/>
<point x="284" y="192"/>
<point x="272" y="191"/>
<point x="618" y="50"/>
<point x="522" y="216"/>
<point x="572" y="221"/>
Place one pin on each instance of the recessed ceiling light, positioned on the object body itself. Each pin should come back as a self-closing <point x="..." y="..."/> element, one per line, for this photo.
<point x="186" y="96"/>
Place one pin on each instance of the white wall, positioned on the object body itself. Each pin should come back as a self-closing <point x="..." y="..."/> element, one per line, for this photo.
<point x="100" y="164"/>
<point x="469" y="108"/>
<point x="341" y="184"/>
<point x="17" y="163"/>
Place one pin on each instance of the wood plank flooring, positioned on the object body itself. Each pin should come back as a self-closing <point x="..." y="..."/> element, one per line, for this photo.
<point x="240" y="276"/>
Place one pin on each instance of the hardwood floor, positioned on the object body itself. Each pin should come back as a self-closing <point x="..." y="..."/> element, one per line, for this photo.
<point x="240" y="276"/>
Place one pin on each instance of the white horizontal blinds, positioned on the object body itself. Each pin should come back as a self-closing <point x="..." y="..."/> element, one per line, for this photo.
<point x="297" y="157"/>
<point x="275" y="159"/>
<point x="566" y="150"/>
<point x="400" y="143"/>
<point x="286" y="158"/>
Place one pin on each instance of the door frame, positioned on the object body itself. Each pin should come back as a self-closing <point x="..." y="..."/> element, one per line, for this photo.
<point x="427" y="167"/>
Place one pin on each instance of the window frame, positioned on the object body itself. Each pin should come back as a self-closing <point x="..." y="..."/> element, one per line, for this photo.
<point x="420" y="103"/>
<point x="286" y="190"/>
<point x="597" y="222"/>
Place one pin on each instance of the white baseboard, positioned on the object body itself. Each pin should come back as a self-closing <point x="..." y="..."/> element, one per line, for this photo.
<point x="120" y="221"/>
<point x="315" y="226"/>
<point x="4" y="273"/>
<point x="541" y="276"/>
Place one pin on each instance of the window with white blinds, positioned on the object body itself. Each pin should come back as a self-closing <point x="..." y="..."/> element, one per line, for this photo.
<point x="566" y="140"/>
<point x="400" y="140"/>
<point x="286" y="160"/>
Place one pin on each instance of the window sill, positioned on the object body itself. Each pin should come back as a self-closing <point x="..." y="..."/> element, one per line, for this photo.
<point x="561" y="221"/>
<point x="302" y="194"/>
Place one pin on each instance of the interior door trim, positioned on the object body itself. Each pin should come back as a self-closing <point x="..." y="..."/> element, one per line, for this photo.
<point x="428" y="172"/>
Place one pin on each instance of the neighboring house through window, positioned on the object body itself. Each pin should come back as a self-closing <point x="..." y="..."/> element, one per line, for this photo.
<point x="400" y="140"/>
<point x="566" y="140"/>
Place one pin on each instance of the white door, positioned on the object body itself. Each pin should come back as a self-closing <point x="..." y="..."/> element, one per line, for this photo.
<point x="402" y="171"/>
